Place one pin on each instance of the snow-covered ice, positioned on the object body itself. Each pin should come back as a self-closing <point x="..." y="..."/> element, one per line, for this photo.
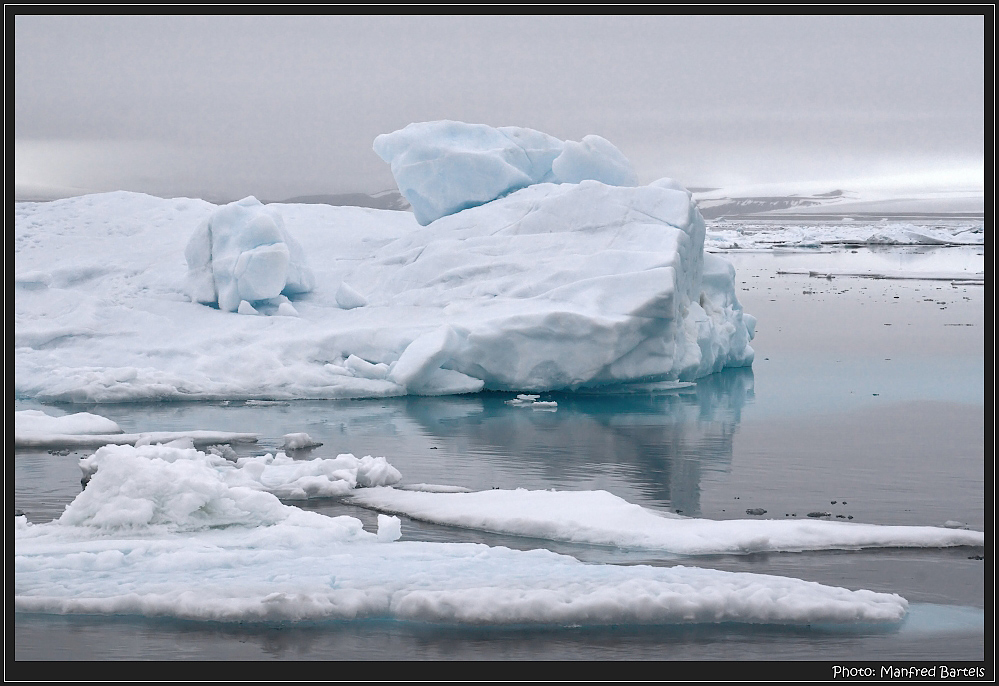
<point x="601" y="518"/>
<point x="277" y="474"/>
<point x="552" y="286"/>
<point x="162" y="531"/>
<point x="36" y="429"/>
<point x="38" y="422"/>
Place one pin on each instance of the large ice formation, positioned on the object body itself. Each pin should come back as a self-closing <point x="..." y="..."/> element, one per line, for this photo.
<point x="443" y="167"/>
<point x="242" y="253"/>
<point x="551" y="286"/>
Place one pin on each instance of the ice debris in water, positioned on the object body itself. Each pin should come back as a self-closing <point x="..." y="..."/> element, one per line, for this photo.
<point x="163" y="531"/>
<point x="242" y="255"/>
<point x="443" y="167"/>
<point x="297" y="441"/>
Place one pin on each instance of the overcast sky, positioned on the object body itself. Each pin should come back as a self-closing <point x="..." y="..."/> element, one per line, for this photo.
<point x="224" y="107"/>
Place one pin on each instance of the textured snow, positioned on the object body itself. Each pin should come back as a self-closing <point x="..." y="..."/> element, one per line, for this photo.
<point x="598" y="517"/>
<point x="554" y="286"/>
<point x="144" y="466"/>
<point x="163" y="531"/>
<point x="443" y="167"/>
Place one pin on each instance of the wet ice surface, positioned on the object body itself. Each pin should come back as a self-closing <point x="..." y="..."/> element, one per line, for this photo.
<point x="888" y="421"/>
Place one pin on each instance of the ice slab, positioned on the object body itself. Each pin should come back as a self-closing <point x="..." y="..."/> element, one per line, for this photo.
<point x="443" y="167"/>
<point x="601" y="518"/>
<point x="162" y="531"/>
<point x="197" y="437"/>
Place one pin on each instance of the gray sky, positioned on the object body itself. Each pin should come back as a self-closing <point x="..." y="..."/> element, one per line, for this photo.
<point x="223" y="107"/>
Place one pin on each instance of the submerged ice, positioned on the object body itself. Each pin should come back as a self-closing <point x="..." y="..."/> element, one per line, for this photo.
<point x="567" y="277"/>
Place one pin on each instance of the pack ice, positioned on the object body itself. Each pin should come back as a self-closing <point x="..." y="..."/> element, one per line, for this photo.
<point x="559" y="278"/>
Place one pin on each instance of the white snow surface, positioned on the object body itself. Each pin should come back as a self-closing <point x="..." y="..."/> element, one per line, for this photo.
<point x="554" y="286"/>
<point x="601" y="518"/>
<point x="443" y="167"/>
<point x="162" y="531"/>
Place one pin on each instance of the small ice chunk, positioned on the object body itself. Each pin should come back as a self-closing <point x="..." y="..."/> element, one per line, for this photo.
<point x="286" y="309"/>
<point x="366" y="369"/>
<point x="389" y="529"/>
<point x="297" y="441"/>
<point x="246" y="308"/>
<point x="549" y="405"/>
<point x="953" y="524"/>
<point x="348" y="298"/>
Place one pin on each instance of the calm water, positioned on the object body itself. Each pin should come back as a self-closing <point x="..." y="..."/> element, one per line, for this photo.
<point x="867" y="393"/>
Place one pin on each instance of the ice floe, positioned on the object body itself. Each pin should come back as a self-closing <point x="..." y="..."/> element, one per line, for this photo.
<point x="36" y="429"/>
<point x="163" y="531"/>
<point x="601" y="518"/>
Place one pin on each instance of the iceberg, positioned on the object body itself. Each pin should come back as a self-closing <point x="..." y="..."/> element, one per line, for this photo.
<point x="553" y="284"/>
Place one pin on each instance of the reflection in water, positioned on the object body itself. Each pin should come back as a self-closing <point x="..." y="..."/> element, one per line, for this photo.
<point x="660" y="442"/>
<point x="649" y="447"/>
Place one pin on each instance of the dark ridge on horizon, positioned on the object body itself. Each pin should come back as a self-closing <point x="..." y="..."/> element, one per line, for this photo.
<point x="386" y="200"/>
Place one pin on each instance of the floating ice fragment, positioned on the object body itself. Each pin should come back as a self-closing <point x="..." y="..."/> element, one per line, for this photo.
<point x="297" y="441"/>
